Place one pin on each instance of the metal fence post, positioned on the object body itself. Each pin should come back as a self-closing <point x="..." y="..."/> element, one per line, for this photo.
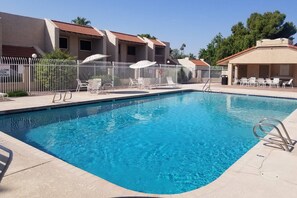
<point x="30" y="76"/>
<point x="112" y="75"/>
<point x="77" y="70"/>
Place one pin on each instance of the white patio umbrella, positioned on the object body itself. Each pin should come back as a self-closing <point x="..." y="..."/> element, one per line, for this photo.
<point x="94" y="58"/>
<point x="142" y="64"/>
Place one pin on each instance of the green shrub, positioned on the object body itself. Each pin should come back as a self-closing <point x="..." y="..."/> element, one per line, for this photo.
<point x="18" y="93"/>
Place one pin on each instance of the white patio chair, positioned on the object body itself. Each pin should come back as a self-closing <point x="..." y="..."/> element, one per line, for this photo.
<point x="252" y="81"/>
<point x="6" y="156"/>
<point x="236" y="81"/>
<point x="94" y="85"/>
<point x="288" y="83"/>
<point x="170" y="82"/>
<point x="268" y="82"/>
<point x="3" y="96"/>
<point x="243" y="81"/>
<point x="133" y="83"/>
<point x="140" y="83"/>
<point x="80" y="85"/>
<point x="275" y="82"/>
<point x="261" y="82"/>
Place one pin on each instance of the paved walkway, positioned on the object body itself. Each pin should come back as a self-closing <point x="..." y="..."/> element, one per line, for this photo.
<point x="261" y="172"/>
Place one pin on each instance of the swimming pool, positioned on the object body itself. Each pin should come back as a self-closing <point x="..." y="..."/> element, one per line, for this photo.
<point x="163" y="144"/>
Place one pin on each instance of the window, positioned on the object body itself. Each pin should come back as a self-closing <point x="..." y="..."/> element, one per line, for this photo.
<point x="158" y="51"/>
<point x="131" y="50"/>
<point x="63" y="43"/>
<point x="85" y="45"/>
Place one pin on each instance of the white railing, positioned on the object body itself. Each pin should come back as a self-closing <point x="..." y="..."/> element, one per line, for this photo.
<point x="41" y="76"/>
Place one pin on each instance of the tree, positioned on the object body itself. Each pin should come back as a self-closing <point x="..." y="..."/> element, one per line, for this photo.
<point x="270" y="25"/>
<point x="177" y="54"/>
<point x="56" y="71"/>
<point x="147" y="36"/>
<point x="81" y="21"/>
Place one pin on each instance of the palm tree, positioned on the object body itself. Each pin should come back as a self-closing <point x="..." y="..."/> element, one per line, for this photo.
<point x="81" y="21"/>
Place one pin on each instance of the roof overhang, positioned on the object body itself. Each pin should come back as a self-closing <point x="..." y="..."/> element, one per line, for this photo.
<point x="263" y="55"/>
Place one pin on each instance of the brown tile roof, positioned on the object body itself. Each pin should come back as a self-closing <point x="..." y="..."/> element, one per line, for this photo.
<point x="293" y="46"/>
<point x="234" y="55"/>
<point x="157" y="43"/>
<point x="128" y="37"/>
<point x="79" y="29"/>
<point x="199" y="62"/>
<point x="17" y="51"/>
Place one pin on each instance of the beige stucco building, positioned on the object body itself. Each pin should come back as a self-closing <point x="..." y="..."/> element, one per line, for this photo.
<point x="158" y="50"/>
<point x="21" y="36"/>
<point x="268" y="59"/>
<point x="124" y="47"/>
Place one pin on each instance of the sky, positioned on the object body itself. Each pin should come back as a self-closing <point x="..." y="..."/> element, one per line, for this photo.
<point x="193" y="22"/>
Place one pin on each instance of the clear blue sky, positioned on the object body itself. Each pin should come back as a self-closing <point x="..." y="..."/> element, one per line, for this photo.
<point x="193" y="22"/>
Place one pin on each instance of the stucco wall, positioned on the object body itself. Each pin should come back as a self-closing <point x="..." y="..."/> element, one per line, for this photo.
<point x="271" y="55"/>
<point x="51" y="36"/>
<point x="112" y="46"/>
<point x="31" y="34"/>
<point x="150" y="50"/>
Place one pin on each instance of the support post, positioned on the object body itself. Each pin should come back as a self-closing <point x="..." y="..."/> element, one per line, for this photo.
<point x="230" y="70"/>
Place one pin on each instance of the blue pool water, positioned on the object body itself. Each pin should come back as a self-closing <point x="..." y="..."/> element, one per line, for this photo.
<point x="162" y="144"/>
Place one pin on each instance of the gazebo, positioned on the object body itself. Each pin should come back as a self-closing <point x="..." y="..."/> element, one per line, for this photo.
<point x="268" y="59"/>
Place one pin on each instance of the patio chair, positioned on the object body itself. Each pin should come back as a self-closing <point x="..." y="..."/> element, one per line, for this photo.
<point x="133" y="83"/>
<point x="261" y="82"/>
<point x="94" y="85"/>
<point x="243" y="81"/>
<point x="288" y="83"/>
<point x="5" y="160"/>
<point x="3" y="95"/>
<point x="80" y="85"/>
<point x="252" y="81"/>
<point x="170" y="82"/>
<point x="268" y="81"/>
<point x="275" y="82"/>
<point x="236" y="81"/>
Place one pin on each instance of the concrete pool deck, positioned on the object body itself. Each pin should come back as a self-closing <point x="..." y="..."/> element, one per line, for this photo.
<point x="262" y="172"/>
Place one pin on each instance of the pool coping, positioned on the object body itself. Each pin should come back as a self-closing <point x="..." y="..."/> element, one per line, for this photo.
<point x="205" y="191"/>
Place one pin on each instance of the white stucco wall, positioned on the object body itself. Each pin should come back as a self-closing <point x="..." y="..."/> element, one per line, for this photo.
<point x="112" y="46"/>
<point x="51" y="36"/>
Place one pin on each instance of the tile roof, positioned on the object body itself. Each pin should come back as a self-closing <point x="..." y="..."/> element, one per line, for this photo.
<point x="128" y="37"/>
<point x="17" y="51"/>
<point x="234" y="55"/>
<point x="199" y="62"/>
<point x="79" y="29"/>
<point x="157" y="43"/>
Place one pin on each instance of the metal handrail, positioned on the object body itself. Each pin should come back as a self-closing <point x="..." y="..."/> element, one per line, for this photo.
<point x="206" y="88"/>
<point x="70" y="96"/>
<point x="279" y="122"/>
<point x="54" y="98"/>
<point x="285" y="143"/>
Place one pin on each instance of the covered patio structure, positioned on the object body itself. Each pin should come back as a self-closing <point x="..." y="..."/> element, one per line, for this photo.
<point x="268" y="59"/>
